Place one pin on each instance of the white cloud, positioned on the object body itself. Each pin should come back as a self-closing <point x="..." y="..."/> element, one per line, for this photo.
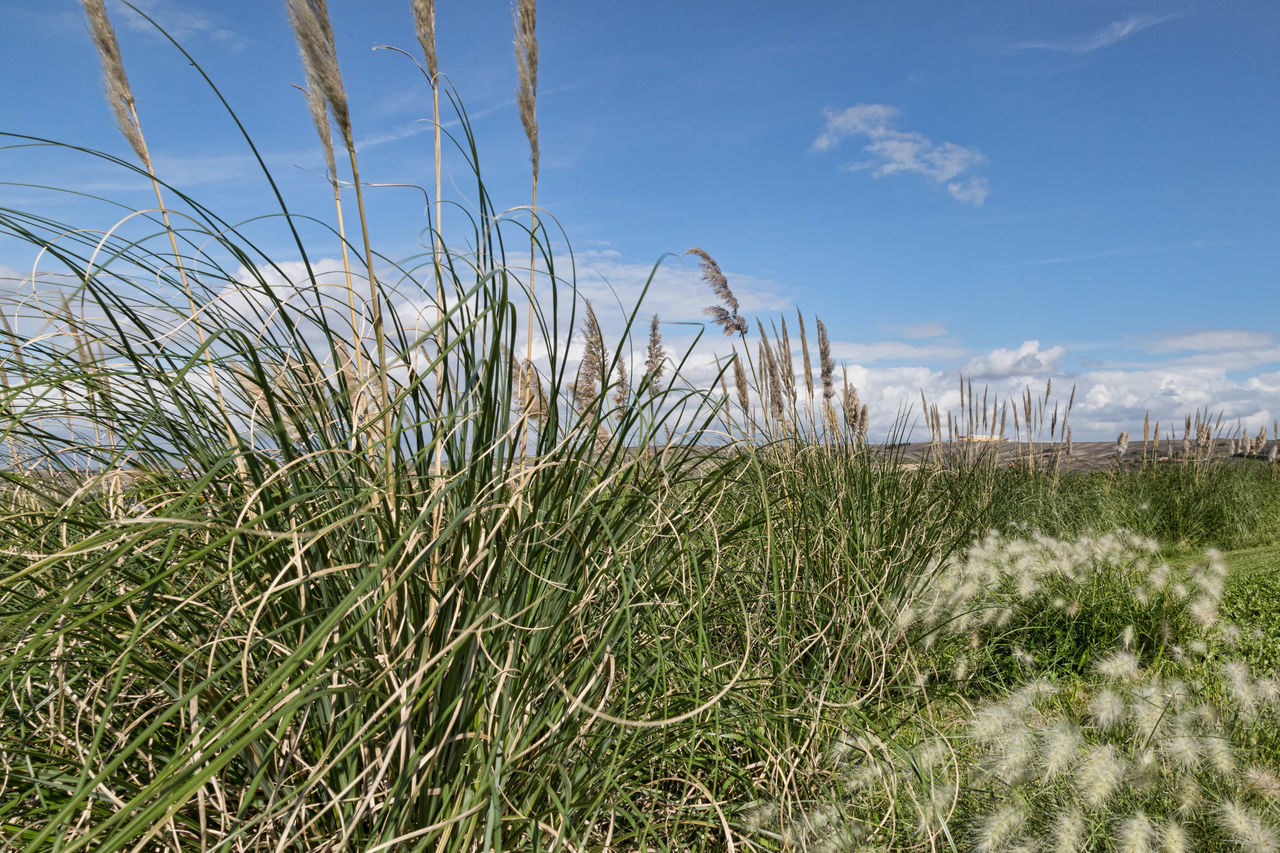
<point x="1211" y="340"/>
<point x="896" y="151"/>
<point x="1026" y="361"/>
<point x="858" y="120"/>
<point x="972" y="191"/>
<point x="1112" y="34"/>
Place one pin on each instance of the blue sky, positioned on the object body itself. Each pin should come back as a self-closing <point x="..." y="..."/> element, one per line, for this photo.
<point x="1087" y="191"/>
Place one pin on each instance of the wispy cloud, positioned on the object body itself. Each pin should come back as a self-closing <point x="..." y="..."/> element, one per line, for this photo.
<point x="1115" y="253"/>
<point x="1112" y="34"/>
<point x="896" y="151"/>
<point x="923" y="330"/>
<point x="184" y="21"/>
<point x="1210" y="340"/>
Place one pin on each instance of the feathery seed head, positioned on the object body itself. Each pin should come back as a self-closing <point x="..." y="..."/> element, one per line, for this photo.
<point x="1174" y="838"/>
<point x="1136" y="834"/>
<point x="740" y="385"/>
<point x="591" y="369"/>
<point x="1068" y="833"/>
<point x="314" y="34"/>
<point x="424" y="22"/>
<point x="1245" y="828"/>
<point x="526" y="18"/>
<point x="998" y="829"/>
<point x="804" y="348"/>
<point x="1221" y="756"/>
<point x="826" y="366"/>
<point x="114" y="80"/>
<point x="655" y="356"/>
<point x="1262" y="782"/>
<point x="1120" y="665"/>
<point x="1100" y="775"/>
<point x="726" y="317"/>
<point x="1060" y="748"/>
<point x="622" y="392"/>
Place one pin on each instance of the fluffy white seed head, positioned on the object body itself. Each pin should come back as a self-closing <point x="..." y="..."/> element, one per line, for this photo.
<point x="1245" y="828"/>
<point x="1060" y="748"/>
<point x="1120" y="665"/>
<point x="1107" y="709"/>
<point x="1136" y="834"/>
<point x="1068" y="832"/>
<point x="998" y="829"/>
<point x="1174" y="838"/>
<point x="1100" y="775"/>
<point x="1262" y="782"/>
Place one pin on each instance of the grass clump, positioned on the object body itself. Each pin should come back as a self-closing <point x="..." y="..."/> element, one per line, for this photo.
<point x="1013" y="607"/>
<point x="1161" y="743"/>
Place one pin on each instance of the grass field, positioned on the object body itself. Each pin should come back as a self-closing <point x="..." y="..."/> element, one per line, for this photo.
<point x="316" y="572"/>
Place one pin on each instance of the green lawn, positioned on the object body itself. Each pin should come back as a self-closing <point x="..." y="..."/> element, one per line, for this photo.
<point x="1252" y="602"/>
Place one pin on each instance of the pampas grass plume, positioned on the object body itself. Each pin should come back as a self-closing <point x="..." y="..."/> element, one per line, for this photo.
<point x="725" y="315"/>
<point x="114" y="81"/>
<point x="526" y="18"/>
<point x="655" y="356"/>
<point x="424" y="22"/>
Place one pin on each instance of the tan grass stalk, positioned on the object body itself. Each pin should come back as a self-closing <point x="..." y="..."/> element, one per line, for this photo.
<point x="525" y="15"/>
<point x="804" y="347"/>
<point x="314" y="33"/>
<point x="827" y="371"/>
<point x="740" y="385"/>
<point x="124" y="108"/>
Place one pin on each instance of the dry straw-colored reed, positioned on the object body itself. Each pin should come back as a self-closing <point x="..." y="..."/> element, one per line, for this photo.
<point x="124" y="109"/>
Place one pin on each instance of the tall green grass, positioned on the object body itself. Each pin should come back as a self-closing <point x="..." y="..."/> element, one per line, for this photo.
<point x="251" y="601"/>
